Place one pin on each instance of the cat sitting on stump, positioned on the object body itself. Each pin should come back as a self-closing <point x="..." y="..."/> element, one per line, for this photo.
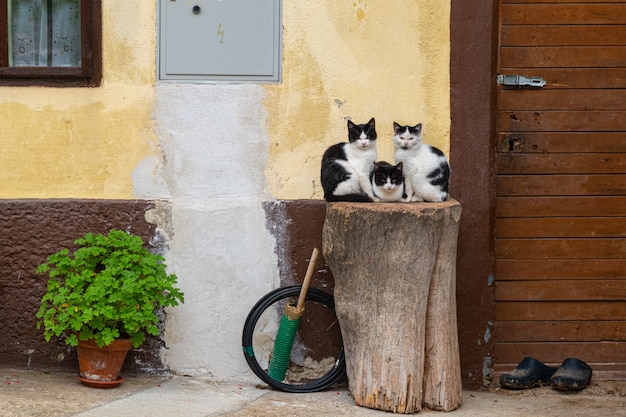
<point x="350" y="171"/>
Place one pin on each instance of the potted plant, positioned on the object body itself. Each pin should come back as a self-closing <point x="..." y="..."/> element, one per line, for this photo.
<point x="108" y="292"/>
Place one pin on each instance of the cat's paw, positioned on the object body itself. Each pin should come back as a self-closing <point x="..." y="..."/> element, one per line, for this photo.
<point x="405" y="199"/>
<point x="439" y="198"/>
<point x="375" y="199"/>
<point x="416" y="199"/>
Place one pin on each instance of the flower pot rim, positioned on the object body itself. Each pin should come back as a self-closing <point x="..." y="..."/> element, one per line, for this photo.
<point x="116" y="344"/>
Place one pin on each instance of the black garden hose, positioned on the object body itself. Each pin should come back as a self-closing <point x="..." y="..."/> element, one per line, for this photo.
<point x="314" y="294"/>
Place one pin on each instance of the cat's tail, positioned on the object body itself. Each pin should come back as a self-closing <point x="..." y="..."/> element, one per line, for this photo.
<point x="358" y="198"/>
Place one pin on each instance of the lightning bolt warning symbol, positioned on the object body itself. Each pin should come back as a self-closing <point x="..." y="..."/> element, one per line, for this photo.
<point x="220" y="32"/>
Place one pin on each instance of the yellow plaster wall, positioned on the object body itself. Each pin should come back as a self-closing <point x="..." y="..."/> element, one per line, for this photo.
<point x="342" y="59"/>
<point x="355" y="59"/>
<point x="85" y="142"/>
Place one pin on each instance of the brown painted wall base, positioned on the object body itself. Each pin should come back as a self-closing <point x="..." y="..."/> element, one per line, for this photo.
<point x="32" y="230"/>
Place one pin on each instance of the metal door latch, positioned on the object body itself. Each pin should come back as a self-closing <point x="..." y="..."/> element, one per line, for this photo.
<point x="520" y="80"/>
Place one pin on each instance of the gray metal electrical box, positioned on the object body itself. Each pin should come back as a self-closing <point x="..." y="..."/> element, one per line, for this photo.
<point x="213" y="40"/>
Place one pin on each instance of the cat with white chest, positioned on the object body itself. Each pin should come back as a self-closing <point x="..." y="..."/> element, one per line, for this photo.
<point x="426" y="168"/>
<point x="346" y="166"/>
<point x="387" y="181"/>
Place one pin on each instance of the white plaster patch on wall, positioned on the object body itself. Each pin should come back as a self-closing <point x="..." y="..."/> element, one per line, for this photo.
<point x="214" y="144"/>
<point x="148" y="181"/>
<point x="214" y="139"/>
<point x="223" y="258"/>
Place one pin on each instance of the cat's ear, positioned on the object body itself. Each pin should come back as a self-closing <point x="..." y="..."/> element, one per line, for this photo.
<point x="372" y="122"/>
<point x="418" y="128"/>
<point x="399" y="166"/>
<point x="350" y="124"/>
<point x="396" y="127"/>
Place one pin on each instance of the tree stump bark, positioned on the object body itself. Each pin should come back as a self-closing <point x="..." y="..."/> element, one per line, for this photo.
<point x="394" y="266"/>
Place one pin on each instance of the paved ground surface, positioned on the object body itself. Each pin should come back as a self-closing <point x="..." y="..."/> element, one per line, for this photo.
<point x="34" y="393"/>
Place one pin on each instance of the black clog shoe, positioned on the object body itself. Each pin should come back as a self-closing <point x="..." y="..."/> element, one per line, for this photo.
<point x="529" y="373"/>
<point x="573" y="374"/>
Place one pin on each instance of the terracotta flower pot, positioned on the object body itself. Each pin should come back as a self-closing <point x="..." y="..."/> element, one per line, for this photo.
<point x="102" y="365"/>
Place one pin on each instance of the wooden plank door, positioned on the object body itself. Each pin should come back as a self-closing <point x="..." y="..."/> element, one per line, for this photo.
<point x="560" y="282"/>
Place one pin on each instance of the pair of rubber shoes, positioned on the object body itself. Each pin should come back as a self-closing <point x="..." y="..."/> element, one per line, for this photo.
<point x="573" y="374"/>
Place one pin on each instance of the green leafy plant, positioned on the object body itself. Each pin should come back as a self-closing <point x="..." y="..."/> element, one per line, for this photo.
<point x="110" y="287"/>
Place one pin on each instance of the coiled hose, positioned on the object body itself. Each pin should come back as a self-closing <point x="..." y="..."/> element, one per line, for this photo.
<point x="267" y="301"/>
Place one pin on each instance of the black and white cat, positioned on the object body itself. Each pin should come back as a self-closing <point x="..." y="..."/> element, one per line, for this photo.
<point x="426" y="168"/>
<point x="387" y="181"/>
<point x="346" y="166"/>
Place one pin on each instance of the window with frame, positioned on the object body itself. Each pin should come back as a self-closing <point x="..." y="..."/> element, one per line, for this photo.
<point x="50" y="43"/>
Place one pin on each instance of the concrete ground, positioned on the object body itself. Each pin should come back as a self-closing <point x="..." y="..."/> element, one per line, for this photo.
<point x="35" y="393"/>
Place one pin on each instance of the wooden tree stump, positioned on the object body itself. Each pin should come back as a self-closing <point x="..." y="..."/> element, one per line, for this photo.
<point x="394" y="266"/>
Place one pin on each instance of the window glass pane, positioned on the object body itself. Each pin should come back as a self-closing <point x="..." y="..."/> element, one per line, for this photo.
<point x="44" y="33"/>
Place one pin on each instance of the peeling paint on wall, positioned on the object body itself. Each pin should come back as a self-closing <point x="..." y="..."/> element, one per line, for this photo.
<point x="277" y="221"/>
<point x="487" y="371"/>
<point x="487" y="335"/>
<point x="360" y="10"/>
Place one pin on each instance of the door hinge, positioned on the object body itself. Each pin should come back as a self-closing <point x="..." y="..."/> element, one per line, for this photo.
<point x="520" y="80"/>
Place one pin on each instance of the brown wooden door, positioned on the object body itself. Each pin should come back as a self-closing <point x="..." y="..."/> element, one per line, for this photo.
<point x="561" y="185"/>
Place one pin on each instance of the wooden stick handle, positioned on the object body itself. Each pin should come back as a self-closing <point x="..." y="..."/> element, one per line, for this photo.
<point x="307" y="279"/>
